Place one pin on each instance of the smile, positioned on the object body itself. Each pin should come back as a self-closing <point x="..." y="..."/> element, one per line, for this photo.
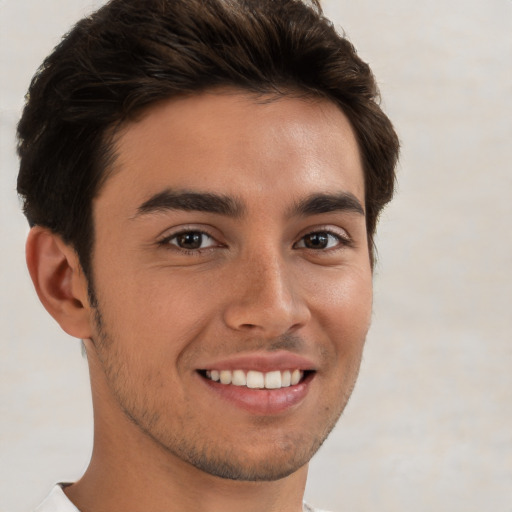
<point x="261" y="385"/>
<point x="256" y="380"/>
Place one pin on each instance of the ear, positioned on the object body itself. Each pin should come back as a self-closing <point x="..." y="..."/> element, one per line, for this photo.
<point x="59" y="281"/>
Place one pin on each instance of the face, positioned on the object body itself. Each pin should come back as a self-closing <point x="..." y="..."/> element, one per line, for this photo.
<point x="233" y="283"/>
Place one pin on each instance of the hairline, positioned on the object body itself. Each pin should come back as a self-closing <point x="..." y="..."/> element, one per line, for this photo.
<point x="112" y="134"/>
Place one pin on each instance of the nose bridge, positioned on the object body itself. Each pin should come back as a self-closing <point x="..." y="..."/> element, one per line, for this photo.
<point x="266" y="298"/>
<point x="270" y="280"/>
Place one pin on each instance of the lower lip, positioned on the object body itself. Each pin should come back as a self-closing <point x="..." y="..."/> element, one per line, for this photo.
<point x="261" y="401"/>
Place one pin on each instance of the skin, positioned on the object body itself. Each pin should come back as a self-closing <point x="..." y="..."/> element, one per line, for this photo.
<point x="259" y="285"/>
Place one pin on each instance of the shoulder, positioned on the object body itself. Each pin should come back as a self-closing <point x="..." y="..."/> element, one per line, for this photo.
<point x="56" y="501"/>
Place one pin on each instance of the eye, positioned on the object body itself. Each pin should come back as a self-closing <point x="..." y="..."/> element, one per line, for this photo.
<point x="191" y="240"/>
<point x="321" y="240"/>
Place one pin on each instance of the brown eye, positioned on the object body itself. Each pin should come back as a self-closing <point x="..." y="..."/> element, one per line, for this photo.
<point x="192" y="240"/>
<point x="316" y="240"/>
<point x="321" y="240"/>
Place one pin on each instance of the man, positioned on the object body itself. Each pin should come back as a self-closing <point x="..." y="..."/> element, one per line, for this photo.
<point x="203" y="180"/>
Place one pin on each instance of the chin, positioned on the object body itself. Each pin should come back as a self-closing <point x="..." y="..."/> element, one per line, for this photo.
<point x="256" y="460"/>
<point x="272" y="469"/>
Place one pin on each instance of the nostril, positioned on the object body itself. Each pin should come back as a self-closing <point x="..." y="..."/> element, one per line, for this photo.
<point x="249" y="326"/>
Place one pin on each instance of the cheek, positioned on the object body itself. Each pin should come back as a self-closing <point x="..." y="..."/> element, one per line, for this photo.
<point x="343" y="308"/>
<point x="156" y="310"/>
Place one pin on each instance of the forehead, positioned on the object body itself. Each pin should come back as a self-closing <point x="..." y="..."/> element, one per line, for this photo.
<point x="236" y="144"/>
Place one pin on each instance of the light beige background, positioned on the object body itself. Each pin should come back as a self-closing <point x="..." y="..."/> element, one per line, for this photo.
<point x="429" y="427"/>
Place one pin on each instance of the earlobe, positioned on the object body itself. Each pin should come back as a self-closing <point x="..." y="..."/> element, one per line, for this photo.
<point x="59" y="281"/>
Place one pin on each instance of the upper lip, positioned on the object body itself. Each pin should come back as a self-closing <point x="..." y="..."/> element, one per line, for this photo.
<point x="261" y="361"/>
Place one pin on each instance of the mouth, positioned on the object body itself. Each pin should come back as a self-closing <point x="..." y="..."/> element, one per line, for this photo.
<point x="260" y="392"/>
<point x="253" y="379"/>
<point x="261" y="383"/>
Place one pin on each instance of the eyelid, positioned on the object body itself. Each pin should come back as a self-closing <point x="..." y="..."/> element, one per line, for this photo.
<point x="338" y="232"/>
<point x="202" y="233"/>
<point x="171" y="233"/>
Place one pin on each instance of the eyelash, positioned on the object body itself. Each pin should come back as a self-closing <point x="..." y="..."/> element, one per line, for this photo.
<point x="342" y="241"/>
<point x="166" y="241"/>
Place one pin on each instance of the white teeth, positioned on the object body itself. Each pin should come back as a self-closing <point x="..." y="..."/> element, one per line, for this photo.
<point x="239" y="378"/>
<point x="273" y="380"/>
<point x="257" y="380"/>
<point x="225" y="377"/>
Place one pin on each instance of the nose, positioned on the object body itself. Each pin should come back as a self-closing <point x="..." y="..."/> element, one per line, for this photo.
<point x="265" y="299"/>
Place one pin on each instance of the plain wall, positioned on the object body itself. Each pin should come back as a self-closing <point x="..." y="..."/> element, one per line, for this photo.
<point x="429" y="426"/>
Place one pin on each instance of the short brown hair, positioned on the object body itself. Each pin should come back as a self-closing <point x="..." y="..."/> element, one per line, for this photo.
<point x="132" y="53"/>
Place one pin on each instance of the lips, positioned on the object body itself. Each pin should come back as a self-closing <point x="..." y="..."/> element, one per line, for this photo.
<point x="262" y="383"/>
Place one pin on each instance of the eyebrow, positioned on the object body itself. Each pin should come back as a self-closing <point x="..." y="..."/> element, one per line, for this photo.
<point x="224" y="205"/>
<point x="191" y="201"/>
<point x="327" y="203"/>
